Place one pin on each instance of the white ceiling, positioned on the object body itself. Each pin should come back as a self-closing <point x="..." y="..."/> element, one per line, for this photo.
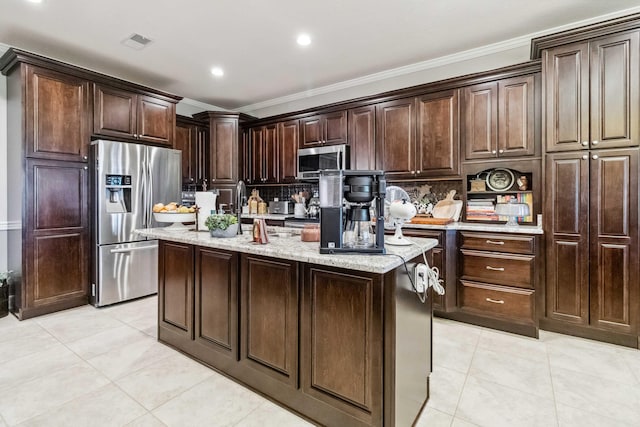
<point x="254" y="40"/>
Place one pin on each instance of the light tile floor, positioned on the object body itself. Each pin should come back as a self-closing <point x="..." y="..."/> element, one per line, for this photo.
<point x="104" y="367"/>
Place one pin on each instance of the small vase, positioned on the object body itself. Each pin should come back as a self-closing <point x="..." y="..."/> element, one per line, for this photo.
<point x="230" y="231"/>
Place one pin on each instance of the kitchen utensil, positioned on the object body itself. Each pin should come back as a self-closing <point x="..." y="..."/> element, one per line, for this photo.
<point x="447" y="208"/>
<point x="421" y="219"/>
<point x="310" y="233"/>
<point x="299" y="211"/>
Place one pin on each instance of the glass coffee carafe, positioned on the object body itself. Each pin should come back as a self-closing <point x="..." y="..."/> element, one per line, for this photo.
<point x="358" y="231"/>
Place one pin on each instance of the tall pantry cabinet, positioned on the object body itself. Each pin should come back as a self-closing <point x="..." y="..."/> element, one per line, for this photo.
<point x="591" y="136"/>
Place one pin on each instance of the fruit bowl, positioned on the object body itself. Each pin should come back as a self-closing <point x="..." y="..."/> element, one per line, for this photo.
<point x="176" y="219"/>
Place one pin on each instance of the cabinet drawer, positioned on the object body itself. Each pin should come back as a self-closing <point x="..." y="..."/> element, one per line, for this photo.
<point x="510" y="270"/>
<point x="497" y="242"/>
<point x="517" y="304"/>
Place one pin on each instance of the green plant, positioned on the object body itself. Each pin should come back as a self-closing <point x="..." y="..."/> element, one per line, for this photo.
<point x="220" y="221"/>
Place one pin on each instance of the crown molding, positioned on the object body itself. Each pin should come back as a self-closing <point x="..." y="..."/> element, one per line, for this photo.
<point x="203" y="105"/>
<point x="432" y="63"/>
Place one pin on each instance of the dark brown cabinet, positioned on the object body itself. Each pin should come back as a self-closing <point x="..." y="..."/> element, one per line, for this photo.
<point x="288" y="139"/>
<point x="592" y="93"/>
<point x="57" y="249"/>
<point x="396" y="137"/>
<point x="340" y="349"/>
<point x="191" y="139"/>
<point x="438" y="143"/>
<point x="592" y="242"/>
<point x="362" y="137"/>
<point x="498" y="280"/>
<point x="269" y="317"/>
<point x="56" y="116"/>
<point x="321" y="129"/>
<point x="124" y="114"/>
<point x="175" y="289"/>
<point x="264" y="154"/>
<point x="499" y="118"/>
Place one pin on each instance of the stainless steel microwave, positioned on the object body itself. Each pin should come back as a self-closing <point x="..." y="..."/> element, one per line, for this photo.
<point x="312" y="160"/>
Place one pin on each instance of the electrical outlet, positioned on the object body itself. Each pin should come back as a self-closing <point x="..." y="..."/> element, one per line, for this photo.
<point x="420" y="278"/>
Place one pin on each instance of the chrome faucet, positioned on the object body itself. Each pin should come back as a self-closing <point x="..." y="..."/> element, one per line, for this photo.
<point x="241" y="194"/>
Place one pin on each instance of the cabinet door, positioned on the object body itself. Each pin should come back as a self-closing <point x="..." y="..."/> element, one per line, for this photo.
<point x="311" y="132"/>
<point x="395" y="137"/>
<point x="614" y="240"/>
<point x="56" y="116"/>
<point x="257" y="155"/>
<point x="201" y="161"/>
<point x="566" y="94"/>
<point x="615" y="100"/>
<point x="270" y="153"/>
<point x="114" y="112"/>
<point x="57" y="246"/>
<point x="269" y="318"/>
<point x="516" y="117"/>
<point x="175" y="288"/>
<point x="288" y="135"/>
<point x="480" y="120"/>
<point x="216" y="301"/>
<point x="156" y="120"/>
<point x="362" y="133"/>
<point x="341" y="346"/>
<point x="223" y="150"/>
<point x="335" y="128"/>
<point x="185" y="141"/>
<point x="438" y="142"/>
<point x="246" y="156"/>
<point x="567" y="237"/>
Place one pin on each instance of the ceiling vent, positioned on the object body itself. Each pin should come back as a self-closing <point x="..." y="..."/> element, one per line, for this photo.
<point x="136" y="41"/>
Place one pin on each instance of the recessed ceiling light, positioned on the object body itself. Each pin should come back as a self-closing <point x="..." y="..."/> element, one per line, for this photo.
<point x="34" y="1"/>
<point x="217" y="71"/>
<point x="304" y="40"/>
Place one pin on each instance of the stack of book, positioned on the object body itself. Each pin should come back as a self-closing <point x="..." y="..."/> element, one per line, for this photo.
<point x="481" y="210"/>
<point x="520" y="198"/>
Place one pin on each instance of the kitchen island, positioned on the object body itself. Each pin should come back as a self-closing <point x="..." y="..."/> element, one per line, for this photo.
<point x="342" y="340"/>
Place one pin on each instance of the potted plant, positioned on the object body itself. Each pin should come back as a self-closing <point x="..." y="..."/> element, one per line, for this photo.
<point x="222" y="225"/>
<point x="4" y="293"/>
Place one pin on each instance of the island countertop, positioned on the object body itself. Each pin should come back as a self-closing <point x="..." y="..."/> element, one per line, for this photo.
<point x="292" y="248"/>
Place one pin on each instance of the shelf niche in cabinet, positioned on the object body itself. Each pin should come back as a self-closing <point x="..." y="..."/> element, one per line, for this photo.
<point x="483" y="193"/>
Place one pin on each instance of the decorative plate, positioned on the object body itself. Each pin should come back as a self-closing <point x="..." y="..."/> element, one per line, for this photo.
<point x="500" y="179"/>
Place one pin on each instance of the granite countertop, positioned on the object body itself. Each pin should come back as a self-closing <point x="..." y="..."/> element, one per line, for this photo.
<point x="469" y="226"/>
<point x="281" y="217"/>
<point x="292" y="248"/>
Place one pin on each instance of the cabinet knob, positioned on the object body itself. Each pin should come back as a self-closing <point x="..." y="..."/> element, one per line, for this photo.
<point x="500" y="151"/>
<point x="85" y="167"/>
<point x="84" y="157"/>
<point x="585" y="157"/>
<point x="594" y="157"/>
<point x="493" y="151"/>
<point x="418" y="172"/>
<point x="594" y="143"/>
<point x="413" y="172"/>
<point x="135" y="135"/>
<point x="585" y="143"/>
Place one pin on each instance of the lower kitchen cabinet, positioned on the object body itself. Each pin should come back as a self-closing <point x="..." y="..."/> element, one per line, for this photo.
<point x="499" y="280"/>
<point x="175" y="289"/>
<point x="269" y="318"/>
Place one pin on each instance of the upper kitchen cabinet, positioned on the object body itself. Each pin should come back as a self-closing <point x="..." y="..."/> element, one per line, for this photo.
<point x="396" y="138"/>
<point x="192" y="139"/>
<point x="323" y="129"/>
<point x="499" y="118"/>
<point x="224" y="148"/>
<point x="438" y="143"/>
<point x="264" y="154"/>
<point x="56" y="114"/>
<point x="362" y="134"/>
<point x="288" y="137"/>
<point x="141" y="117"/>
<point x="592" y="97"/>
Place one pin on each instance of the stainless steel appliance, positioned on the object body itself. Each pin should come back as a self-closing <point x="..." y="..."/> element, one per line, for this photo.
<point x="128" y="179"/>
<point x="346" y="199"/>
<point x="312" y="160"/>
<point x="280" y="207"/>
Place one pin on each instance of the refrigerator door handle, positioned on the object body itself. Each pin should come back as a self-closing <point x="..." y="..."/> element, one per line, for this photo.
<point x="149" y="205"/>
<point x="137" y="248"/>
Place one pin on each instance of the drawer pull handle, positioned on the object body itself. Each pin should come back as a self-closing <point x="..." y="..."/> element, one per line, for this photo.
<point x="488" y="267"/>
<point x="495" y="242"/>
<point x="495" y="301"/>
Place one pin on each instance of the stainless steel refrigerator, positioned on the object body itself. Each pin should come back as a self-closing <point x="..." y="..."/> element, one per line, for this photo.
<point x="128" y="179"/>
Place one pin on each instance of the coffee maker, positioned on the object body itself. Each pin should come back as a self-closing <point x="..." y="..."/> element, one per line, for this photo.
<point x="346" y="200"/>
